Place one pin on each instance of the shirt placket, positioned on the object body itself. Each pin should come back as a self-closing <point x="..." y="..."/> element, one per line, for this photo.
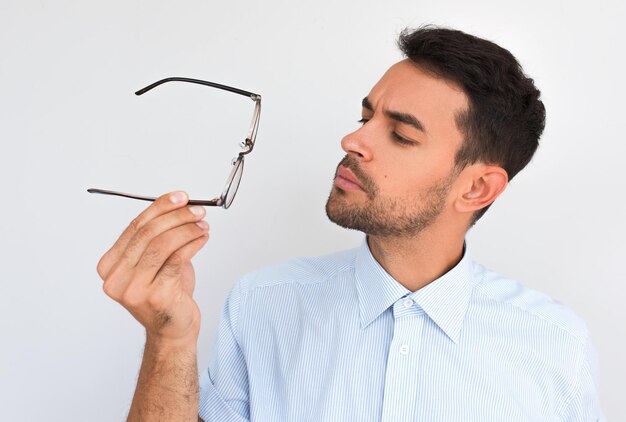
<point x="403" y="361"/>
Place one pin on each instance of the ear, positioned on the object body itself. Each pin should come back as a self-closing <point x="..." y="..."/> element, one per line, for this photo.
<point x="484" y="184"/>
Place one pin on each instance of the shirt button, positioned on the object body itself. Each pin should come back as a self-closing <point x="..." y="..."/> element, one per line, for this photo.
<point x="408" y="303"/>
<point x="404" y="349"/>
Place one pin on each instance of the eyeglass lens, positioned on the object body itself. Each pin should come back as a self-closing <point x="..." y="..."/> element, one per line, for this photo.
<point x="234" y="184"/>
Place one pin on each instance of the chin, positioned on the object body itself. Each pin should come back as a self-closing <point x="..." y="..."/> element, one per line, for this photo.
<point x="344" y="213"/>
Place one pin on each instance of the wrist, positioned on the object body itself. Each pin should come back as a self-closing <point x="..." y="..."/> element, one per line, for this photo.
<point x="168" y="346"/>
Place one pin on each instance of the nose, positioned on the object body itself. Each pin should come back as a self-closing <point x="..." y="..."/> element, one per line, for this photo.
<point x="356" y="145"/>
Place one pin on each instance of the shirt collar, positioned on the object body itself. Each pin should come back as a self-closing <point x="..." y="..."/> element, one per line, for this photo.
<point x="445" y="300"/>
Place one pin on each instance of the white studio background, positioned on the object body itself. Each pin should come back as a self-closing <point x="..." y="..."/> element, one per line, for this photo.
<point x="69" y="121"/>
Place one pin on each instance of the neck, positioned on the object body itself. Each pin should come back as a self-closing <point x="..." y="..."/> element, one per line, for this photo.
<point x="417" y="261"/>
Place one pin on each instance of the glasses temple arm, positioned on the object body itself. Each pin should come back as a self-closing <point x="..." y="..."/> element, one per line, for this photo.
<point x="199" y="82"/>
<point x="216" y="202"/>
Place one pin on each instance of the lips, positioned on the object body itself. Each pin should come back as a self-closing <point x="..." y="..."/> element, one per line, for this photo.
<point x="346" y="179"/>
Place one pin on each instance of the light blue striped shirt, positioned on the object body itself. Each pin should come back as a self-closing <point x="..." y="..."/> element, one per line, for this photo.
<point x="336" y="338"/>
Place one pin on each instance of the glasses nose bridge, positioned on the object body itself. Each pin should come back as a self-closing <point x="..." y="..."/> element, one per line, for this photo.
<point x="247" y="147"/>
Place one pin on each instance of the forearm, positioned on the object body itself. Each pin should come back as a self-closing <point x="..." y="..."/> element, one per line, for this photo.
<point x="167" y="388"/>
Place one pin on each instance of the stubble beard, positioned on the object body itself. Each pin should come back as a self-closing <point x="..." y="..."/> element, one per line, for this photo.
<point x="383" y="216"/>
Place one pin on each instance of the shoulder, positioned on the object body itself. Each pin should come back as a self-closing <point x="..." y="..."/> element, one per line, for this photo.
<point x="299" y="271"/>
<point x="538" y="308"/>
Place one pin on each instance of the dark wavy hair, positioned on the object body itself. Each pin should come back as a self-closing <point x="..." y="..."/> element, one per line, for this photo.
<point x="505" y="118"/>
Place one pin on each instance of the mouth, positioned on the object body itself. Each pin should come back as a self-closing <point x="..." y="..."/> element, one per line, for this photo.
<point x="346" y="180"/>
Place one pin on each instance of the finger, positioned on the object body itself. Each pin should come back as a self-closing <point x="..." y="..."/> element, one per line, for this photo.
<point x="192" y="248"/>
<point x="178" y="266"/>
<point x="161" y="205"/>
<point x="169" y="286"/>
<point x="177" y="262"/>
<point x="138" y="244"/>
<point x="164" y="247"/>
<point x="123" y="272"/>
<point x="145" y="302"/>
<point x="116" y="282"/>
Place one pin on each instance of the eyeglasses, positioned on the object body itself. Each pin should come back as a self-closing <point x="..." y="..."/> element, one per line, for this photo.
<point x="232" y="183"/>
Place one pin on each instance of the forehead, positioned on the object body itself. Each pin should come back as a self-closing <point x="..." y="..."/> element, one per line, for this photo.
<point x="408" y="88"/>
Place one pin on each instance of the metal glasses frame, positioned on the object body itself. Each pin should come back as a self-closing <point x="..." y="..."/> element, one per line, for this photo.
<point x="227" y="196"/>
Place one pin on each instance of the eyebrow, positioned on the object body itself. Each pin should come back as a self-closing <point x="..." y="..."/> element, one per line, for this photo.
<point x="409" y="119"/>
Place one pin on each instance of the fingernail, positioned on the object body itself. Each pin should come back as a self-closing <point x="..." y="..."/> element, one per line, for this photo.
<point x="178" y="197"/>
<point x="197" y="210"/>
<point x="203" y="224"/>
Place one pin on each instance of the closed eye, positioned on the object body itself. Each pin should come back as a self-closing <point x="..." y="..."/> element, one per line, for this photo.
<point x="396" y="136"/>
<point x="401" y="139"/>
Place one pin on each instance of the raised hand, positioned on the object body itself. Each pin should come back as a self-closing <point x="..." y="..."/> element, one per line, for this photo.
<point x="148" y="269"/>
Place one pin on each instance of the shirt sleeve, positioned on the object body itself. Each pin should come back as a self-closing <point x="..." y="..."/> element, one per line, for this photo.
<point x="584" y="405"/>
<point x="224" y="385"/>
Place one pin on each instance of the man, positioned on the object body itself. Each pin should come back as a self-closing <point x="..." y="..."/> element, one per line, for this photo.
<point x="405" y="327"/>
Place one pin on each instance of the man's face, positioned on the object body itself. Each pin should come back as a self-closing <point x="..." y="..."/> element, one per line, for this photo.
<point x="399" y="168"/>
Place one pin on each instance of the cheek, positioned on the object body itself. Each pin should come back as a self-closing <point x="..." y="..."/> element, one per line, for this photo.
<point x="397" y="182"/>
<point x="406" y="173"/>
<point x="406" y="180"/>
